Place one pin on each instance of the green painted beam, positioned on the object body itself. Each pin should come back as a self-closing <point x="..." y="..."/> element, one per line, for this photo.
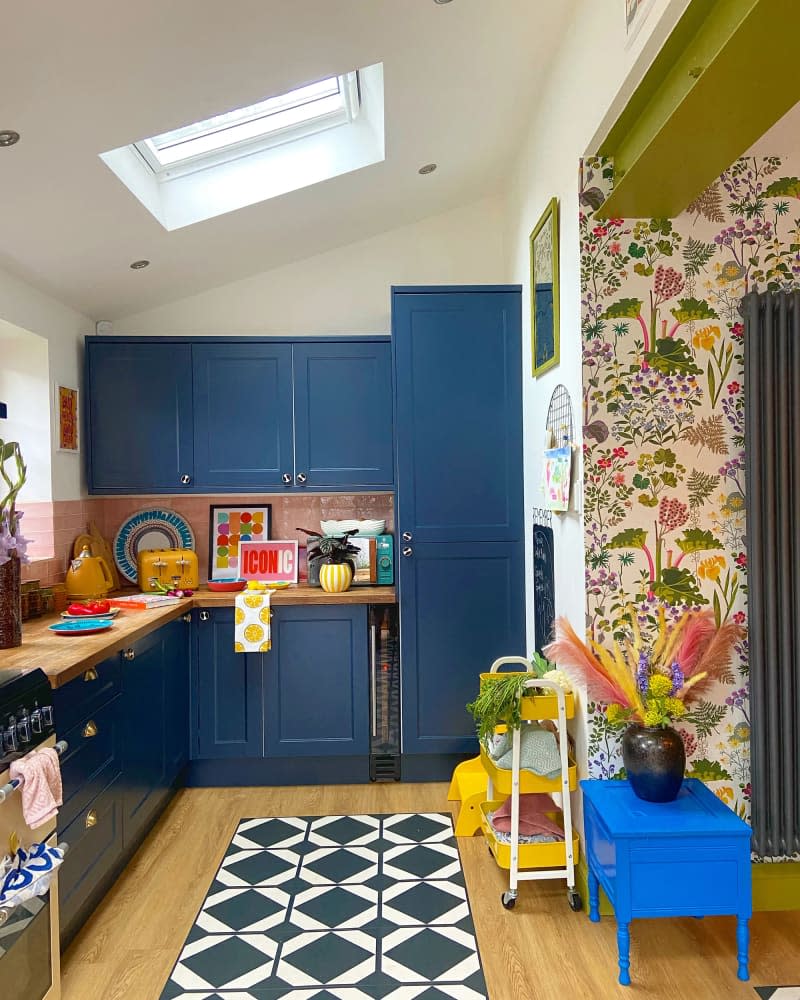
<point x="726" y="74"/>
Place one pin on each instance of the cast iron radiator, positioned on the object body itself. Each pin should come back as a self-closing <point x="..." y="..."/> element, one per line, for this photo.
<point x="772" y="450"/>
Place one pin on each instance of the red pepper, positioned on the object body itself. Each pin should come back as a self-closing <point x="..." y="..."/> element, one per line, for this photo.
<point x="101" y="607"/>
<point x="80" y="609"/>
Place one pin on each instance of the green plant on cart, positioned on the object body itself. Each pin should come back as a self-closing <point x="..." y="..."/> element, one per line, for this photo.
<point x="499" y="700"/>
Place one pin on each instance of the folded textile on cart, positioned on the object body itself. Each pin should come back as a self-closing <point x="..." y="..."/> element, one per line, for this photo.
<point x="538" y="751"/>
<point x="536" y="824"/>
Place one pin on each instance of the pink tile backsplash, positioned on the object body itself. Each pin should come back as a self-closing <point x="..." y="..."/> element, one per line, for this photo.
<point x="53" y="527"/>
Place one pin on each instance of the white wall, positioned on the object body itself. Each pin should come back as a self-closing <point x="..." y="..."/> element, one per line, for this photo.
<point x="63" y="329"/>
<point x="344" y="290"/>
<point x="590" y="81"/>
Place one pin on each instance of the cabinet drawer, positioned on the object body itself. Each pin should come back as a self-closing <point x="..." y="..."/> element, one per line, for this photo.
<point x="79" y="699"/>
<point x="95" y="848"/>
<point x="92" y="760"/>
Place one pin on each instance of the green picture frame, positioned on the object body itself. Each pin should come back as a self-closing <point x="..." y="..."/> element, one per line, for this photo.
<point x="545" y="333"/>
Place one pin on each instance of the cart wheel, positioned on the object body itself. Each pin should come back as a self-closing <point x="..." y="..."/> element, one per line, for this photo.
<point x="575" y="901"/>
<point x="508" y="900"/>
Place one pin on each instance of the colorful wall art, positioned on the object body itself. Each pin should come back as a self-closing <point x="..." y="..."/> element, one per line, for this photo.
<point x="229" y="527"/>
<point x="663" y="431"/>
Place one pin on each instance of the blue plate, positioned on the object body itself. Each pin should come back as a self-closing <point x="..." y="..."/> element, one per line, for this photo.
<point x="82" y="626"/>
<point x="153" y="528"/>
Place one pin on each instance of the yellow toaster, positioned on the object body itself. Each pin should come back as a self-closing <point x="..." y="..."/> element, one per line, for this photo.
<point x="169" y="567"/>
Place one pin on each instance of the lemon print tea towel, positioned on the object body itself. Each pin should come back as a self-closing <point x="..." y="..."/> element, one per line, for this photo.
<point x="251" y="631"/>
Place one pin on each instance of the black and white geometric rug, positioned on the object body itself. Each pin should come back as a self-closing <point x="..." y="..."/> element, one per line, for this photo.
<point x="334" y="908"/>
<point x="778" y="992"/>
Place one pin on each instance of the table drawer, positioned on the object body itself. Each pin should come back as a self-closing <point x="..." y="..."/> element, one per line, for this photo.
<point x="92" y="761"/>
<point x="83" y="696"/>
<point x="95" y="848"/>
<point x="685" y="880"/>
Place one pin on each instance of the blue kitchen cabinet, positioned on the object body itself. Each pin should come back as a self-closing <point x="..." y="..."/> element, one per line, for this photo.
<point x="316" y="682"/>
<point x="228" y="714"/>
<point x="177" y="669"/>
<point x="458" y="384"/>
<point x="343" y="414"/>
<point x="242" y="415"/>
<point x="138" y="416"/>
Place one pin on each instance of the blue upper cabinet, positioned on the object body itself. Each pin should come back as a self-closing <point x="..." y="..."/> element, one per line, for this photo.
<point x="458" y="372"/>
<point x="316" y="682"/>
<point x="139" y="416"/>
<point x="343" y="414"/>
<point x="239" y="414"/>
<point x="242" y="415"/>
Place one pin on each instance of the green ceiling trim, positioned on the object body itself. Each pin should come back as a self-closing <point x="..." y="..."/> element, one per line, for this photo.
<point x="725" y="75"/>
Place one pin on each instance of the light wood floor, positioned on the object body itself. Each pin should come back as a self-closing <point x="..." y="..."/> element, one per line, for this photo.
<point x="540" y="951"/>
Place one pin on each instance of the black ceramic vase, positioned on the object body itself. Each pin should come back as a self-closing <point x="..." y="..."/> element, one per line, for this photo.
<point x="655" y="760"/>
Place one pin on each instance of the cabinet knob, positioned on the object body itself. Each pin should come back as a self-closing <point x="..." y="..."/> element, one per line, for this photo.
<point x="204" y="616"/>
<point x="286" y="479"/>
<point x="407" y="536"/>
<point x="91" y="819"/>
<point x="185" y="479"/>
<point x="187" y="617"/>
<point x="128" y="654"/>
<point x="90" y="674"/>
<point x="301" y="478"/>
<point x="90" y="729"/>
<point x="407" y="551"/>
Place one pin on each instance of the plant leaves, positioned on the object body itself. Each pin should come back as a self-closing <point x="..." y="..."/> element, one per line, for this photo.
<point x="640" y="482"/>
<point x="784" y="186"/>
<point x="698" y="540"/>
<point x="623" y="309"/>
<point x="709" y="770"/>
<point x="672" y="356"/>
<point x="597" y="430"/>
<point x="631" y="538"/>
<point x="678" y="587"/>
<point x="693" y="309"/>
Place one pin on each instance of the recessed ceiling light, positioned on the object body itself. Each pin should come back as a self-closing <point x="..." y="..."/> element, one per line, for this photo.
<point x="137" y="265"/>
<point x="429" y="167"/>
<point x="441" y="1"/>
<point x="8" y="137"/>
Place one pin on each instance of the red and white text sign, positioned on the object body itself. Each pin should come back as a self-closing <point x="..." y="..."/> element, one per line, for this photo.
<point x="271" y="562"/>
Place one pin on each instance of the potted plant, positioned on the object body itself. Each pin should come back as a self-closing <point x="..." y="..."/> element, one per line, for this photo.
<point x="646" y="683"/>
<point x="12" y="544"/>
<point x="333" y="554"/>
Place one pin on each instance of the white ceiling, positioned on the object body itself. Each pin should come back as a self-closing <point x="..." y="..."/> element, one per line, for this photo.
<point x="83" y="77"/>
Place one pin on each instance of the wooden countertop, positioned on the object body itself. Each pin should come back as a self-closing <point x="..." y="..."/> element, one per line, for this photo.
<point x="63" y="658"/>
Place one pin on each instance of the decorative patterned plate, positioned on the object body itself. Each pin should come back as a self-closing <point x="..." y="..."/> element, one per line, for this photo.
<point x="149" y="529"/>
<point x="86" y="626"/>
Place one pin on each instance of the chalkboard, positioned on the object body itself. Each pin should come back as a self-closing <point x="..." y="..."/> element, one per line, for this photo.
<point x="544" y="591"/>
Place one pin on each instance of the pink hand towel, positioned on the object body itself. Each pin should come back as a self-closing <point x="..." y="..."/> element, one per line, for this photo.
<point x="532" y="819"/>
<point x="41" y="785"/>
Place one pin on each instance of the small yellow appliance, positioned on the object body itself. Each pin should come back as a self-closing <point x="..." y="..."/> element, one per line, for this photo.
<point x="88" y="576"/>
<point x="172" y="568"/>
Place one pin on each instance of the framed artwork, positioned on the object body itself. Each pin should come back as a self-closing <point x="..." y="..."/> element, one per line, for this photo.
<point x="269" y="562"/>
<point x="544" y="290"/>
<point x="66" y="409"/>
<point x="636" y="12"/>
<point x="229" y="526"/>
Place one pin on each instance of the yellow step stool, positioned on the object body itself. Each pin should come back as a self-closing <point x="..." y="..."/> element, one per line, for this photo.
<point x="468" y="786"/>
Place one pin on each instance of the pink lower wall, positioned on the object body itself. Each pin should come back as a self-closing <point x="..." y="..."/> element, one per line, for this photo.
<point x="54" y="526"/>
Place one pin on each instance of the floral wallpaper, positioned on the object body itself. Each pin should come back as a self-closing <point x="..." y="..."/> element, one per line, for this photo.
<point x="664" y="488"/>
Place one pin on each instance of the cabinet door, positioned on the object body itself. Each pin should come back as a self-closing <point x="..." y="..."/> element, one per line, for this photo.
<point x="343" y="414"/>
<point x="144" y="758"/>
<point x="460" y="609"/>
<point x="316" y="683"/>
<point x="229" y="699"/>
<point x="139" y="405"/>
<point x="242" y="415"/>
<point x="176" y="680"/>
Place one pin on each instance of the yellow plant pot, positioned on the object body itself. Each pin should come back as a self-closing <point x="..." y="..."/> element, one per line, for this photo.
<point x="335" y="578"/>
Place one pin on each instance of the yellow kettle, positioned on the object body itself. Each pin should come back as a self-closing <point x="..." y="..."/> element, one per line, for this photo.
<point x="88" y="576"/>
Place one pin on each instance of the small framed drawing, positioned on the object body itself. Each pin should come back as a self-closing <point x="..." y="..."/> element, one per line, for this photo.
<point x="229" y="526"/>
<point x="544" y="290"/>
<point x="636" y="12"/>
<point x="66" y="411"/>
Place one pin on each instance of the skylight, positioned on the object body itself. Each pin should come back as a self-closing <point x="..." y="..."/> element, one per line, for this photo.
<point x="293" y="115"/>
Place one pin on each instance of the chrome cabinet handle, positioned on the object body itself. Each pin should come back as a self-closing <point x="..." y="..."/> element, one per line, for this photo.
<point x="90" y="729"/>
<point x="407" y="536"/>
<point x="407" y="551"/>
<point x="204" y="616"/>
<point x="185" y="479"/>
<point x="286" y="478"/>
<point x="128" y="654"/>
<point x="187" y="617"/>
<point x="91" y="819"/>
<point x="90" y="674"/>
<point x="301" y="478"/>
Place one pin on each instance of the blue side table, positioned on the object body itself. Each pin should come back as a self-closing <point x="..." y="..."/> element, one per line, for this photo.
<point x="687" y="858"/>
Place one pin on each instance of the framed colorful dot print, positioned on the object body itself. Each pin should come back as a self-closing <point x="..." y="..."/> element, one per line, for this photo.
<point x="228" y="528"/>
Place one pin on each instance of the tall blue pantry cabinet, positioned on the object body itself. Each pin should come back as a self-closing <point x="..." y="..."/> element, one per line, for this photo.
<point x="459" y="514"/>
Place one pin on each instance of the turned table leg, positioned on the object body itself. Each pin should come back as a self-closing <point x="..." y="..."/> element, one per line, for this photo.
<point x="594" y="898"/>
<point x="742" y="947"/>
<point x="624" y="948"/>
